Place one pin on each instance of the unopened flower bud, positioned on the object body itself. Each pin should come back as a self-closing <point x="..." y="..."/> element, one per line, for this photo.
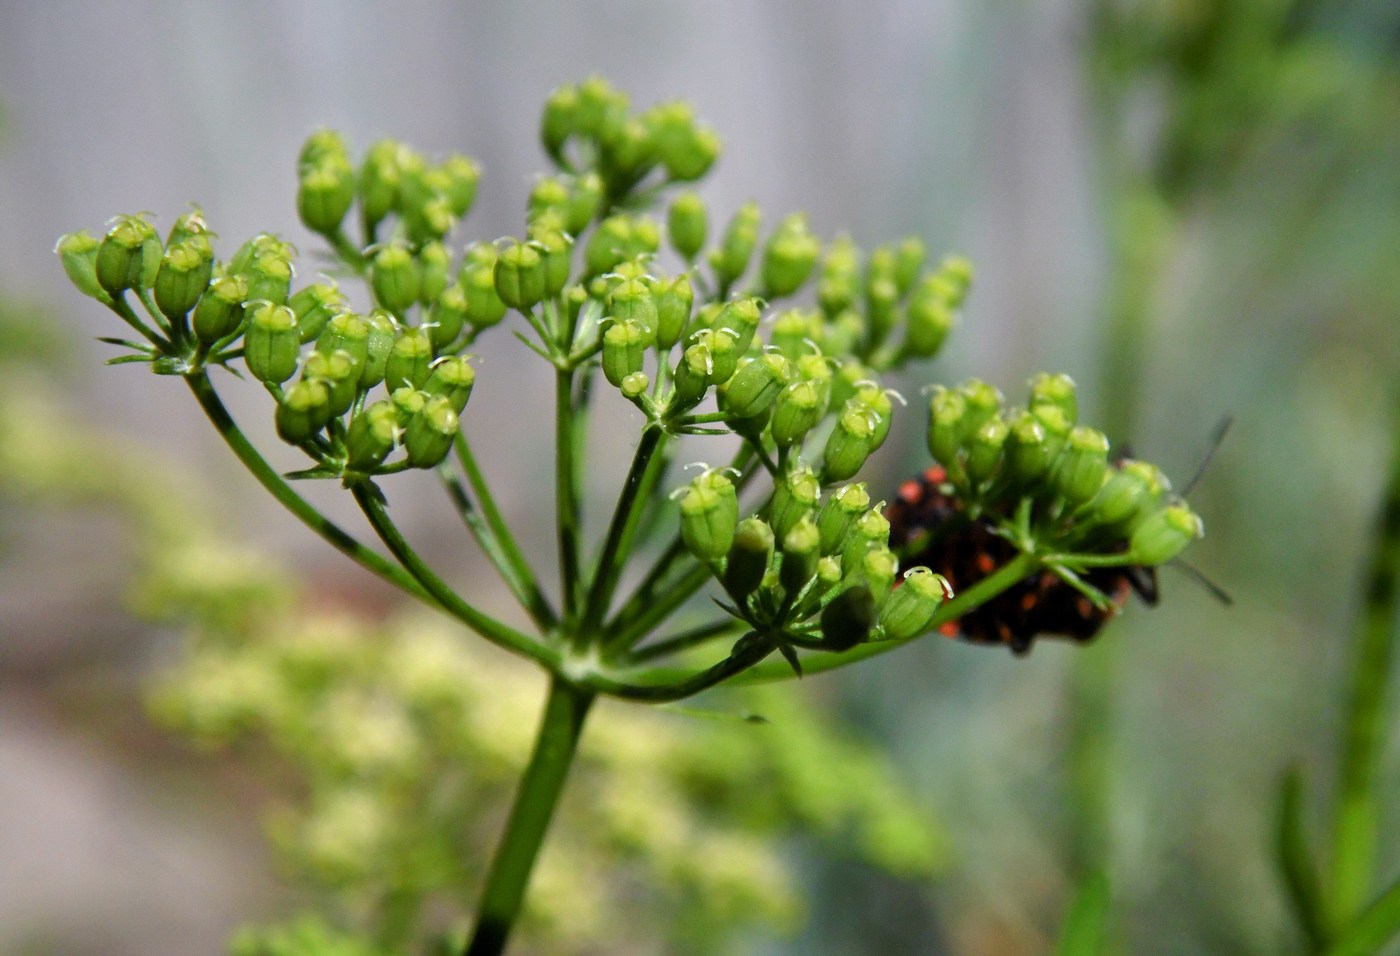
<point x="674" y="298"/>
<point x="520" y="276"/>
<point x="1164" y="534"/>
<point x="878" y="568"/>
<point x="928" y="320"/>
<point x="303" y="411"/>
<point x="1057" y="390"/>
<point x="184" y="274"/>
<point x="789" y="256"/>
<point x="429" y="434"/>
<point x="407" y="402"/>
<point x="846" y="621"/>
<point x="984" y="450"/>
<point x="947" y="411"/>
<point x="687" y="225"/>
<point x="1133" y="491"/>
<point x="409" y="358"/>
<point x="460" y="175"/>
<point x="128" y="256"/>
<point x="634" y="385"/>
<point x="632" y="300"/>
<point x="839" y="514"/>
<point x="983" y="403"/>
<point x="741" y="317"/>
<point x="559" y="121"/>
<point x="378" y="182"/>
<point x="796" y="411"/>
<point x="272" y="344"/>
<point x="339" y="373"/>
<point x="749" y="557"/>
<point x="435" y="262"/>
<point x="709" y="515"/>
<point x="736" y="247"/>
<point x="829" y="572"/>
<point x="601" y="109"/>
<point x="755" y="386"/>
<point x="371" y="435"/>
<point x="910" y="609"/>
<point x="1029" y="453"/>
<point x="454" y="377"/>
<point x="78" y="253"/>
<point x="870" y="530"/>
<point x="396" y="276"/>
<point x="956" y="273"/>
<point x="220" y="310"/>
<point x="324" y="194"/>
<point x="556" y="257"/>
<point x="315" y="305"/>
<point x="801" y="551"/>
<point x="909" y="258"/>
<point x="850" y="443"/>
<point x="1083" y="465"/>
<point x="795" y="496"/>
<point x="447" y="317"/>
<point x="840" y="283"/>
<point x="624" y="345"/>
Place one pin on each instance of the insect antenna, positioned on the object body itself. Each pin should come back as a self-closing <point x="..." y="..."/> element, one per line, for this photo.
<point x="1199" y="576"/>
<point x="1212" y="447"/>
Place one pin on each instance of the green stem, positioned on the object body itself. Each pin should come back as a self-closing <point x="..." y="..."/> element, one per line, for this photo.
<point x="535" y="801"/>
<point x="510" y="559"/>
<point x="488" y="627"/>
<point x="1354" y="834"/>
<point x="636" y="492"/>
<point x="123" y="309"/>
<point x="1373" y="928"/>
<point x="650" y="613"/>
<point x="208" y="399"/>
<point x="684" y="640"/>
<point x="566" y="491"/>
<point x="1296" y="862"/>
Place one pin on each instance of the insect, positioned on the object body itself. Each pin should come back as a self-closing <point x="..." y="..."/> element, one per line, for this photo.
<point x="930" y="527"/>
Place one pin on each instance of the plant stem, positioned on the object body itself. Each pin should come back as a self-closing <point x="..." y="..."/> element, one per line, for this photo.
<point x="566" y="492"/>
<point x="1354" y="831"/>
<point x="504" y="892"/>
<point x="268" y="477"/>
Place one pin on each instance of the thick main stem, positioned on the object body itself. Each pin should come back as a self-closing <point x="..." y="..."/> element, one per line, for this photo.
<point x="504" y="893"/>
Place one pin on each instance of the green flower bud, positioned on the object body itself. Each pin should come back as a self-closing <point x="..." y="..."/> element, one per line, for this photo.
<point x="956" y="274"/>
<point x="878" y="568"/>
<point x="383" y="333"/>
<point x="378" y="184"/>
<point x="910" y="609"/>
<point x="1083" y="465"/>
<point x="947" y="411"/>
<point x="324" y="194"/>
<point x="520" y="276"/>
<point x="1133" y="491"/>
<point x="791" y="331"/>
<point x="396" y="277"/>
<point x="1029" y="452"/>
<point x="839" y="515"/>
<point x="323" y="144"/>
<point x="736" y="247"/>
<point x="601" y="110"/>
<point x="634" y="385"/>
<point x="795" y="496"/>
<point x="693" y="374"/>
<point x="755" y="386"/>
<point x="556" y="253"/>
<point x="617" y="239"/>
<point x="686" y="149"/>
<point x="624" y="345"/>
<point x="631" y="300"/>
<point x="272" y="344"/>
<point x="869" y="530"/>
<point x="740" y="316"/>
<point x="789" y="257"/>
<point x="128" y="256"/>
<point x="453" y="376"/>
<point x="850" y="375"/>
<point x="429" y="433"/>
<point x="829" y="572"/>
<point x="846" y="621"/>
<point x="269" y="278"/>
<point x="220" y="310"/>
<point x="723" y="351"/>
<point x="184" y="274"/>
<point x="876" y="401"/>
<point x="709" y="515"/>
<point x="1056" y="390"/>
<point x="983" y="403"/>
<point x="1164" y="534"/>
<point x="447" y="317"/>
<point x="850" y="443"/>
<point x="839" y="284"/>
<point x="348" y="333"/>
<point x="263" y="245"/>
<point x="559" y="121"/>
<point x="460" y="176"/>
<point x="409" y="359"/>
<point x="1057" y="426"/>
<point x="928" y="320"/>
<point x="484" y="306"/>
<point x="909" y="258"/>
<point x="78" y="253"/>
<point x="674" y="298"/>
<point x="435" y="262"/>
<point x="187" y="226"/>
<point x="303" y="411"/>
<point x="407" y="402"/>
<point x="584" y="202"/>
<point x="340" y="374"/>
<point x="801" y="551"/>
<point x="796" y="411"/>
<point x="315" y="305"/>
<point x="687" y="223"/>
<point x="371" y="435"/>
<point x="749" y="557"/>
<point x="548" y="194"/>
<point x="984" y="450"/>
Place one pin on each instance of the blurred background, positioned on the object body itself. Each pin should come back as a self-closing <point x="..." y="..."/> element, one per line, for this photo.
<point x="1192" y="207"/>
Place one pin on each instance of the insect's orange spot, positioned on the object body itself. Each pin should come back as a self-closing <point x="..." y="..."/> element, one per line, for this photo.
<point x="986" y="563"/>
<point x="949" y="630"/>
<point x="1028" y="601"/>
<point x="910" y="492"/>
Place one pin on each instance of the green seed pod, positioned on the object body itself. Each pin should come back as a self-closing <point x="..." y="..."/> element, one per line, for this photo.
<point x="849" y="445"/>
<point x="687" y="224"/>
<point x="315" y="305"/>
<point x="1029" y="453"/>
<point x="984" y="450"/>
<point x="453" y="376"/>
<point x="220" y="310"/>
<point x="1164" y="534"/>
<point x="348" y="333"/>
<point x="407" y="402"/>
<point x="878" y="568"/>
<point x="78" y="253"/>
<point x="184" y="274"/>
<point x="928" y="320"/>
<point x="869" y="530"/>
<point x="303" y="411"/>
<point x="736" y="247"/>
<point x="371" y="435"/>
<point x="378" y="183"/>
<point x="846" y="621"/>
<point x="396" y="277"/>
<point x="723" y="351"/>
<point x="1083" y="465"/>
<point x="428" y="436"/>
<point x="339" y="373"/>
<point x="740" y="316"/>
<point x="709" y="516"/>
<point x="1056" y="390"/>
<point x="128" y="256"/>
<point x="270" y="278"/>
<point x="674" y="298"/>
<point x="796" y="411"/>
<point x="839" y="515"/>
<point x="876" y="401"/>
<point x="272" y="344"/>
<point x="795" y="496"/>
<point x="520" y="276"/>
<point x="624" y="345"/>
<point x="947" y="411"/>
<point x="556" y="254"/>
<point x="755" y="386"/>
<point x="187" y="226"/>
<point x="409" y="359"/>
<point x="460" y="176"/>
<point x="631" y="300"/>
<point x="1132" y="491"/>
<point x="692" y="374"/>
<point x="383" y="333"/>
<point x="839" y="284"/>
<point x="910" y="609"/>
<point x="909" y="258"/>
<point x="325" y="192"/>
<point x="484" y="306"/>
<point x="789" y="257"/>
<point x="435" y="262"/>
<point x="801" y="551"/>
<point x="447" y="317"/>
<point x="749" y="556"/>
